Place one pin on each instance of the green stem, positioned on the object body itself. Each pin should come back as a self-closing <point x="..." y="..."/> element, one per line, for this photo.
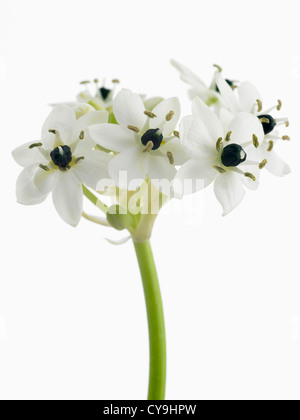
<point x="156" y="325"/>
<point x="95" y="200"/>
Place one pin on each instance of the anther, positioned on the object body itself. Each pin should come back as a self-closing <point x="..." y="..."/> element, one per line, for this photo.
<point x="149" y="146"/>
<point x="218" y="68"/>
<point x="271" y="145"/>
<point x="96" y="81"/>
<point x="170" y="156"/>
<point x="44" y="167"/>
<point x="255" y="141"/>
<point x="79" y="159"/>
<point x="263" y="164"/>
<point x="259" y="103"/>
<point x="218" y="144"/>
<point x="228" y="136"/>
<point x="33" y="145"/>
<point x="150" y="114"/>
<point x="81" y="135"/>
<point x="133" y="128"/>
<point x="52" y="131"/>
<point x="85" y="82"/>
<point x="264" y="120"/>
<point x="249" y="175"/>
<point x="287" y="124"/>
<point x="115" y="81"/>
<point x="279" y="105"/>
<point x="170" y="115"/>
<point x="219" y="169"/>
<point x="286" y="138"/>
<point x="176" y="133"/>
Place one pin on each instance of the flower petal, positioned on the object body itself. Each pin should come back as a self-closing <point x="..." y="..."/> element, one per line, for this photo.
<point x="248" y="95"/>
<point x="67" y="197"/>
<point x="161" y="111"/>
<point x="188" y="76"/>
<point x="228" y="94"/>
<point x="194" y="175"/>
<point x="160" y="168"/>
<point x="133" y="162"/>
<point x="61" y="118"/>
<point x="196" y="139"/>
<point x="26" y="157"/>
<point x="93" y="168"/>
<point x="243" y="127"/>
<point x="150" y="103"/>
<point x="129" y="109"/>
<point x="26" y="191"/>
<point x="93" y="117"/>
<point x="209" y="118"/>
<point x="229" y="191"/>
<point x="276" y="166"/>
<point x="112" y="136"/>
<point x="45" y="180"/>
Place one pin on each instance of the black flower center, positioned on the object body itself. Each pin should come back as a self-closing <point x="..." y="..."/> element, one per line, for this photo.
<point x="153" y="136"/>
<point x="268" y="123"/>
<point x="61" y="156"/>
<point x="104" y="92"/>
<point x="233" y="155"/>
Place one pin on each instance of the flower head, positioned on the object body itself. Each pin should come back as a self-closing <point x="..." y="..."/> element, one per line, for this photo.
<point x="227" y="155"/>
<point x="61" y="162"/>
<point x="143" y="141"/>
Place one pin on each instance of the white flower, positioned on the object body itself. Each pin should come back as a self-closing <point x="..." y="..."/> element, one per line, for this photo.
<point x="227" y="155"/>
<point x="209" y="94"/>
<point x="102" y="97"/>
<point x="248" y="99"/>
<point x="61" y="162"/>
<point x="143" y="139"/>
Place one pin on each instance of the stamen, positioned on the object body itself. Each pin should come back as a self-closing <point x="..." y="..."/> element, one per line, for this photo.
<point x="150" y="114"/>
<point x="85" y="82"/>
<point x="286" y="138"/>
<point x="219" y="169"/>
<point x="115" y="81"/>
<point x="52" y="131"/>
<point x="218" y="144"/>
<point x="81" y="135"/>
<point x="264" y="120"/>
<point x="170" y="115"/>
<point x="44" y="167"/>
<point x="149" y="146"/>
<point x="33" y="145"/>
<point x="96" y="81"/>
<point x="218" y="68"/>
<point x="271" y="145"/>
<point x="263" y="164"/>
<point x="260" y="106"/>
<point x="287" y="124"/>
<point x="249" y="175"/>
<point x="176" y="133"/>
<point x="279" y="105"/>
<point x="170" y="156"/>
<point x="79" y="159"/>
<point x="255" y="141"/>
<point x="133" y="128"/>
<point x="228" y="136"/>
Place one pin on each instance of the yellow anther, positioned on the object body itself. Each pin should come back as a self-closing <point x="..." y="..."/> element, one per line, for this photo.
<point x="255" y="141"/>
<point x="176" y="133"/>
<point x="264" y="120"/>
<point x="263" y="164"/>
<point x="218" y="144"/>
<point x="44" y="167"/>
<point x="115" y="81"/>
<point x="33" y="145"/>
<point x="228" y="136"/>
<point x="170" y="156"/>
<point x="133" y="128"/>
<point x="149" y="146"/>
<point x="170" y="115"/>
<point x="79" y="159"/>
<point x="271" y="145"/>
<point x="287" y="124"/>
<point x="85" y="82"/>
<point x="96" y="81"/>
<point x="249" y="175"/>
<point x="218" y="68"/>
<point x="219" y="169"/>
<point x="279" y="105"/>
<point x="52" y="131"/>
<point x="150" y="114"/>
<point x="81" y="135"/>
<point x="286" y="138"/>
<point x="259" y="103"/>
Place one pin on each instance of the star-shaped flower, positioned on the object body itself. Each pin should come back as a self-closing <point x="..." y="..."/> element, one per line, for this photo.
<point x="61" y="162"/>
<point x="228" y="156"/>
<point x="143" y="141"/>
<point x="248" y="99"/>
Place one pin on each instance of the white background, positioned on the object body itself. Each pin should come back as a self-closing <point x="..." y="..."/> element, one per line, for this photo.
<point x="72" y="316"/>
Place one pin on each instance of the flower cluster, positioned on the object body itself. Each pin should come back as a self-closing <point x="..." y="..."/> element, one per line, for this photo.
<point x="114" y="143"/>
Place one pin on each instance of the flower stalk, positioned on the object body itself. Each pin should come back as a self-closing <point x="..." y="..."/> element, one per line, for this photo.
<point x="156" y="325"/>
